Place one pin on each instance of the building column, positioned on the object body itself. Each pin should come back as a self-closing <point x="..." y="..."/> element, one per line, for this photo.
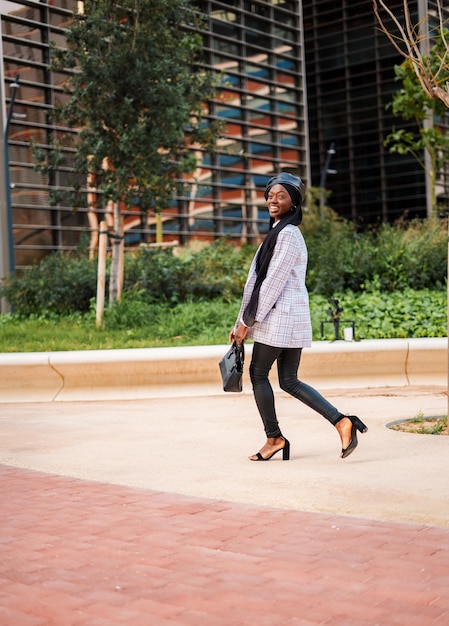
<point x="4" y="221"/>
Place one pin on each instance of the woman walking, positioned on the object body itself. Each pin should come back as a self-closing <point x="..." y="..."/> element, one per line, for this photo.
<point x="275" y="314"/>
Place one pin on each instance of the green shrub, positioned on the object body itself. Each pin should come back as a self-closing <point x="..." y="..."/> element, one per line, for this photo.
<point x="215" y="270"/>
<point x="330" y="252"/>
<point x="389" y="259"/>
<point x="131" y="313"/>
<point x="407" y="313"/>
<point x="412" y="255"/>
<point x="392" y="257"/>
<point x="60" y="284"/>
<point x="218" y="270"/>
<point x="376" y="315"/>
<point x="155" y="275"/>
<point x="134" y="324"/>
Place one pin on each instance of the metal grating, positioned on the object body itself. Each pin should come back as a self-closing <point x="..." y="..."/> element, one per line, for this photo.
<point x="257" y="44"/>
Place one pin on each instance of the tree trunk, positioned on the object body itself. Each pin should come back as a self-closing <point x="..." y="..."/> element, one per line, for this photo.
<point x="115" y="264"/>
<point x="101" y="275"/>
<point x="158" y="228"/>
<point x="121" y="260"/>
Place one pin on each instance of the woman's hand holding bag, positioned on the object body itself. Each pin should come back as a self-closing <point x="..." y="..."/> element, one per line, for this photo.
<point x="231" y="367"/>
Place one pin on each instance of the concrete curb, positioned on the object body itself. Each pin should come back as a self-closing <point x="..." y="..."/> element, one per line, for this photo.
<point x="187" y="371"/>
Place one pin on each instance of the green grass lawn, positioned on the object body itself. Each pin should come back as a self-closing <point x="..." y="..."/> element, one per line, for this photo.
<point x="66" y="334"/>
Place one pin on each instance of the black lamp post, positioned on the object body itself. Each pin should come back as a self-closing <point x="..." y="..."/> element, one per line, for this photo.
<point x="324" y="172"/>
<point x="14" y="86"/>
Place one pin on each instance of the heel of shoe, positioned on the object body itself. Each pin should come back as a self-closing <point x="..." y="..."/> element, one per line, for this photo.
<point x="286" y="450"/>
<point x="361" y="427"/>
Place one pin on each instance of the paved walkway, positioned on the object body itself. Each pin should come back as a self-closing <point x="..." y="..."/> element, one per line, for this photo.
<point x="148" y="513"/>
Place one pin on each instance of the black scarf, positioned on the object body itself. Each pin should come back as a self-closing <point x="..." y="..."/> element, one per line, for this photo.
<point x="266" y="252"/>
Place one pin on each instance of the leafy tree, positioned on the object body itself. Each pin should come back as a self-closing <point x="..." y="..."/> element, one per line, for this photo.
<point x="412" y="103"/>
<point x="136" y="96"/>
<point x="138" y="99"/>
<point x="410" y="40"/>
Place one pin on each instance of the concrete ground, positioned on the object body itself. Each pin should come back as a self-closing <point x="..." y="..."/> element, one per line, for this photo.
<point x="148" y="512"/>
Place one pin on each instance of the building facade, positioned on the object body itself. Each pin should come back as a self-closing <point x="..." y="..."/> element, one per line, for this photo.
<point x="258" y="48"/>
<point x="302" y="82"/>
<point x="29" y="94"/>
<point x="350" y="83"/>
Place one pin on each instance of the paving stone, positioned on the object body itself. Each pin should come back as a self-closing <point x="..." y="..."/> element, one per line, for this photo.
<point x="80" y="553"/>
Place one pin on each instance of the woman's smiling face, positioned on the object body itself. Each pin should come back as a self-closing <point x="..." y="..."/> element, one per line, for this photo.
<point x="279" y="202"/>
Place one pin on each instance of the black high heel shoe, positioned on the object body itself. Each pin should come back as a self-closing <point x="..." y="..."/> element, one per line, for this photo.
<point x="357" y="424"/>
<point x="285" y="452"/>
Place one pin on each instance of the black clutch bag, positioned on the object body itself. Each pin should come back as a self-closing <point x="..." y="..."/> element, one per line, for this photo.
<point x="231" y="368"/>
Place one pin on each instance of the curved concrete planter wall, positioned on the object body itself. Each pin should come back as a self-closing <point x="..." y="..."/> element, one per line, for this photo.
<point x="158" y="372"/>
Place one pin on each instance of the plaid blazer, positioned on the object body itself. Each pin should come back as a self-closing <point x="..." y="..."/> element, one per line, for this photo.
<point x="283" y="315"/>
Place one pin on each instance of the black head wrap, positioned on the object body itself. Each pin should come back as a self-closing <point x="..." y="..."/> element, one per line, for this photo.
<point x="293" y="186"/>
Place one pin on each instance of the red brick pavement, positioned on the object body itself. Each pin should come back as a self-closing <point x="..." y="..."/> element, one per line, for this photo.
<point x="75" y="553"/>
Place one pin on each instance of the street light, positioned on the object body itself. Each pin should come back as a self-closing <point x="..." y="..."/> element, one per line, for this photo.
<point x="14" y="86"/>
<point x="324" y="172"/>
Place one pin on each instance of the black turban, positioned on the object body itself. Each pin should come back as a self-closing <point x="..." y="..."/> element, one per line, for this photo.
<point x="293" y="185"/>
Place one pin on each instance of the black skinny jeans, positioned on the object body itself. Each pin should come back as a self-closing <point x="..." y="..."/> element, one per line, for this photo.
<point x="288" y="363"/>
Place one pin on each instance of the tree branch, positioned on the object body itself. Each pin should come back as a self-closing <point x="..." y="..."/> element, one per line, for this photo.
<point x="408" y="44"/>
